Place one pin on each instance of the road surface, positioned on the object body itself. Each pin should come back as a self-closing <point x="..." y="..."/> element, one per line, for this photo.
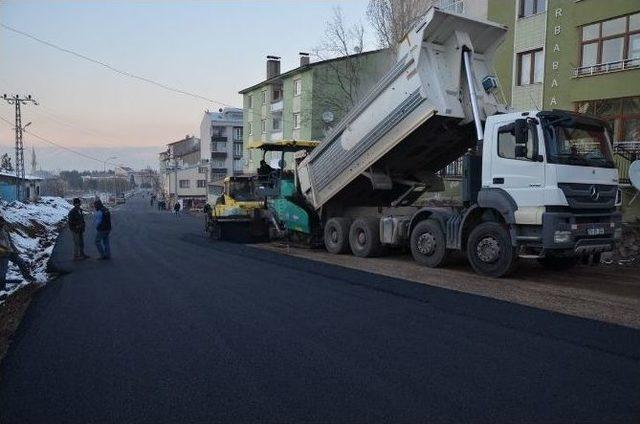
<point x="177" y="329"/>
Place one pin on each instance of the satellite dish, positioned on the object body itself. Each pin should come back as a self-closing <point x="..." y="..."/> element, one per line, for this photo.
<point x="634" y="174"/>
<point x="328" y="117"/>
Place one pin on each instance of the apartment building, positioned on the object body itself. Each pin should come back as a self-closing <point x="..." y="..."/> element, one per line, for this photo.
<point x="182" y="173"/>
<point x="221" y="133"/>
<point x="305" y="102"/>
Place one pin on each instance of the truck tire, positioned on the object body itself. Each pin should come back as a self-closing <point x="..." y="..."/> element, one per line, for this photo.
<point x="428" y="244"/>
<point x="336" y="235"/>
<point x="489" y="250"/>
<point x="558" y="263"/>
<point x="364" y="237"/>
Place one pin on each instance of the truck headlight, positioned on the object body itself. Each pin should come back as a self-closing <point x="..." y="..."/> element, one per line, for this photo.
<point x="562" y="236"/>
<point x="617" y="233"/>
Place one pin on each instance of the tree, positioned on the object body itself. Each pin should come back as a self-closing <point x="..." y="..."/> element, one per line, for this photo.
<point x="72" y="178"/>
<point x="340" y="79"/>
<point x="392" y="19"/>
<point x="5" y="163"/>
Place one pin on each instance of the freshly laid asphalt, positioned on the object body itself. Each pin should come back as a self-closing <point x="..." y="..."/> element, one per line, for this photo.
<point x="179" y="329"/>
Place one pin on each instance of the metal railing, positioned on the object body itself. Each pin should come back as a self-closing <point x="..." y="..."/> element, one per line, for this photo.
<point x="604" y="68"/>
<point x="624" y="153"/>
<point x="453" y="171"/>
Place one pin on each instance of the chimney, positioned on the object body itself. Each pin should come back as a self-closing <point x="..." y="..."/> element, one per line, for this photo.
<point x="304" y="59"/>
<point x="273" y="66"/>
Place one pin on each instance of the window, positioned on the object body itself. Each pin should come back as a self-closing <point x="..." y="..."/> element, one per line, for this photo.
<point x="530" y="67"/>
<point x="237" y="150"/>
<point x="456" y="6"/>
<point x="250" y="128"/>
<point x="217" y="163"/>
<point x="507" y="143"/>
<point x="250" y="101"/>
<point x="217" y="131"/>
<point x="263" y="125"/>
<point x="202" y="170"/>
<point x="610" y="45"/>
<point x="237" y="133"/>
<point x="532" y="7"/>
<point x="297" y="87"/>
<point x="276" y="95"/>
<point x="217" y="176"/>
<point x="277" y="124"/>
<point x="296" y="120"/>
<point x="202" y="183"/>
<point x="264" y="97"/>
<point x="623" y="115"/>
<point x="184" y="183"/>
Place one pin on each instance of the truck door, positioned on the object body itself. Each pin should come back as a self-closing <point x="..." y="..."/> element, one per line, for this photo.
<point x="517" y="168"/>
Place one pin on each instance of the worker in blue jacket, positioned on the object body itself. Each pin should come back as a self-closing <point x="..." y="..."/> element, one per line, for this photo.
<point x="103" y="228"/>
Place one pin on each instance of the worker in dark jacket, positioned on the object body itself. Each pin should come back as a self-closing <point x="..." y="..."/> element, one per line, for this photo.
<point x="103" y="229"/>
<point x="8" y="252"/>
<point x="77" y="226"/>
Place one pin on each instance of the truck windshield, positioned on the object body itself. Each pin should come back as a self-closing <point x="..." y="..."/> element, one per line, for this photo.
<point x="573" y="143"/>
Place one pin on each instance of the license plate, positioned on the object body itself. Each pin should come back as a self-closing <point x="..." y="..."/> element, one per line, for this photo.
<point x="595" y="231"/>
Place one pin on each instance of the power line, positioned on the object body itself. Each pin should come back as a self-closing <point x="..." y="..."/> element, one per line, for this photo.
<point x="112" y="68"/>
<point x="46" y="140"/>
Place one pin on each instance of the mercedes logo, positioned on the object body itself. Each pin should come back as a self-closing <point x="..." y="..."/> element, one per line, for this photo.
<point x="594" y="193"/>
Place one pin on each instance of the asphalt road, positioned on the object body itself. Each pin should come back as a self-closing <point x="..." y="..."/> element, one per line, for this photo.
<point x="177" y="329"/>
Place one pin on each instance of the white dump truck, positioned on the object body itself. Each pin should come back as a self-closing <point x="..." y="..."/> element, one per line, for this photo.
<point x="537" y="184"/>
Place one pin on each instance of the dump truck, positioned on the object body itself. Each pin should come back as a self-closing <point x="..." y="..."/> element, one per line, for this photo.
<point x="536" y="184"/>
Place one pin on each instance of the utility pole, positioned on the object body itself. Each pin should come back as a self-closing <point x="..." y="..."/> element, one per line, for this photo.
<point x="17" y="101"/>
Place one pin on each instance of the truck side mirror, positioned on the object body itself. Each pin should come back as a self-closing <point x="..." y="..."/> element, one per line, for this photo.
<point x="521" y="130"/>
<point x="521" y="151"/>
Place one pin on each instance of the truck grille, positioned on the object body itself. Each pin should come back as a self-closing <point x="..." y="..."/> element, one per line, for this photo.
<point x="589" y="196"/>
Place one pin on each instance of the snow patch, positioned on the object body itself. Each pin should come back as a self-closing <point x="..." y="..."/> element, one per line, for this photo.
<point x="34" y="228"/>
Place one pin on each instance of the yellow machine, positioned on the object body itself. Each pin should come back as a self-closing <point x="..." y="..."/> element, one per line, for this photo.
<point x="245" y="209"/>
<point x="237" y="213"/>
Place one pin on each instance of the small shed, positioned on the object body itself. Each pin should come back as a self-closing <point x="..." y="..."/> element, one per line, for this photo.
<point x="30" y="187"/>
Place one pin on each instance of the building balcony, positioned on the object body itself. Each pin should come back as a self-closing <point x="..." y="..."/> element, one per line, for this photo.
<point x="277" y="135"/>
<point x="219" y="139"/>
<point x="277" y="106"/>
<point x="605" y="68"/>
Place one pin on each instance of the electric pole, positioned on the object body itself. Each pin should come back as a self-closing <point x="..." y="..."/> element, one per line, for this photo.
<point x="17" y="101"/>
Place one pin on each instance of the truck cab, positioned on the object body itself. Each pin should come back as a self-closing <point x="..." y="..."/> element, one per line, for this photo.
<point x="556" y="173"/>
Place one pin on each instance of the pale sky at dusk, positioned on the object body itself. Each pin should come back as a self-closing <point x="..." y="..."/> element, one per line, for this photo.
<point x="212" y="48"/>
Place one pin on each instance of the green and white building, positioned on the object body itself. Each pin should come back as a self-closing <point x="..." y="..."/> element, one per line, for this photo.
<point x="305" y="102"/>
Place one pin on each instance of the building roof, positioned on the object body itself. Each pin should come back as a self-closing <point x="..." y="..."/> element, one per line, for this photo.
<point x="301" y="69"/>
<point x="13" y="175"/>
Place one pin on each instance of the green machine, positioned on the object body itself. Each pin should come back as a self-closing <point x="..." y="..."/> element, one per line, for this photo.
<point x="279" y="186"/>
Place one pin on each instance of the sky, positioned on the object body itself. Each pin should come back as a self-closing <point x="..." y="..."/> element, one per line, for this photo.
<point x="211" y="48"/>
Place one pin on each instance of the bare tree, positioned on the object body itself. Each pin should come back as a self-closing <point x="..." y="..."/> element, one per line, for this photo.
<point x="340" y="78"/>
<point x="5" y="163"/>
<point x="392" y="19"/>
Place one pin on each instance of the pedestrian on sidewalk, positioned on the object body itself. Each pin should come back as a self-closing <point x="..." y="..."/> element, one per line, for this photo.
<point x="176" y="208"/>
<point x="8" y="252"/>
<point x="77" y="227"/>
<point x="103" y="228"/>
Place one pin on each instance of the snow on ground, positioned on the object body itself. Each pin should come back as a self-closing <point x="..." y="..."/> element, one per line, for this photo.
<point x="34" y="228"/>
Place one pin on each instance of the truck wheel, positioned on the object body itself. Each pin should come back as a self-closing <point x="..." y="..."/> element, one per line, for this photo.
<point x="336" y="235"/>
<point x="489" y="250"/>
<point x="558" y="263"/>
<point x="428" y="245"/>
<point x="364" y="237"/>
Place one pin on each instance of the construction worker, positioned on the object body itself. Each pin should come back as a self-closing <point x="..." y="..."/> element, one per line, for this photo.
<point x="77" y="227"/>
<point x="103" y="229"/>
